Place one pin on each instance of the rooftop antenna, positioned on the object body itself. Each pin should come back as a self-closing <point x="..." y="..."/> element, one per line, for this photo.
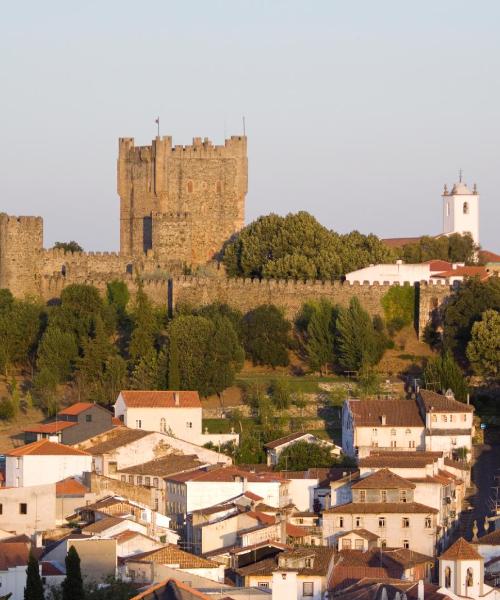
<point x="157" y="121"/>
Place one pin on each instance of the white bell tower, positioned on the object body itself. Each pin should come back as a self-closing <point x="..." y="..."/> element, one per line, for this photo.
<point x="461" y="210"/>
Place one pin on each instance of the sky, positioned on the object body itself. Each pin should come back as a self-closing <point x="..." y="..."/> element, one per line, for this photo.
<point x="356" y="111"/>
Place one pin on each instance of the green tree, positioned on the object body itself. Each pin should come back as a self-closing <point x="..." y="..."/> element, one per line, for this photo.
<point x="174" y="375"/>
<point x="145" y="327"/>
<point x="483" y="350"/>
<point x="34" y="586"/>
<point x="68" y="246"/>
<point x="399" y="306"/>
<point x="72" y="586"/>
<point x="118" y="298"/>
<point x="146" y="373"/>
<point x="280" y="393"/>
<point x="57" y="352"/>
<point x="358" y="343"/>
<point x="225" y="355"/>
<point x="442" y="373"/>
<point x="7" y="411"/>
<point x="320" y="336"/>
<point x="298" y="247"/>
<point x="464" y="308"/>
<point x="218" y="309"/>
<point x="452" y="248"/>
<point x="266" y="336"/>
<point x="303" y="455"/>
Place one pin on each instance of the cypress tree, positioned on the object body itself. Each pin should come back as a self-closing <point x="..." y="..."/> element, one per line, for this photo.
<point x="34" y="586"/>
<point x="72" y="586"/>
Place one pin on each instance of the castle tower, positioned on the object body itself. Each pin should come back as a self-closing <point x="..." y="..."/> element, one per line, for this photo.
<point x="461" y="570"/>
<point x="461" y="210"/>
<point x="182" y="202"/>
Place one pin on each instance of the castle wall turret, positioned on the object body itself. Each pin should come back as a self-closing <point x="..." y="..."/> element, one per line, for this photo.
<point x="21" y="242"/>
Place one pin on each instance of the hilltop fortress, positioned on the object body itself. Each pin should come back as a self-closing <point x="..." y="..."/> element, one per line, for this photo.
<point x="178" y="206"/>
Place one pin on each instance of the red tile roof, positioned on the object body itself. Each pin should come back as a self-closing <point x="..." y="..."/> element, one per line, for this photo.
<point x="489" y="257"/>
<point x="461" y="549"/>
<point x="172" y="555"/>
<point x="398" y="413"/>
<point x="224" y="474"/>
<point x="70" y="487"/>
<point x="383" y="479"/>
<point x="491" y="539"/>
<point x="53" y="427"/>
<point x="381" y="508"/>
<point x="46" y="448"/>
<point x="160" y="399"/>
<point x="13" y="554"/>
<point x="435" y="402"/>
<point x="76" y="409"/>
<point x="410" y="460"/>
<point x="364" y="533"/>
<point x="439" y="265"/>
<point x="286" y="439"/>
<point x="480" y="272"/>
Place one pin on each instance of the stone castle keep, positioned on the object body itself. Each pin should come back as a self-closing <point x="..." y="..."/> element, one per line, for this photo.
<point x="178" y="205"/>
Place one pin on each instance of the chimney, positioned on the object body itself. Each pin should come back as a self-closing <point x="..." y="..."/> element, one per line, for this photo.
<point x="177" y="398"/>
<point x="421" y="590"/>
<point x="383" y="419"/>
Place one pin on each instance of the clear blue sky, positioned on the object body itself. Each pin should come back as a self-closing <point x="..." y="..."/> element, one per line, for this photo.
<point x="357" y="111"/>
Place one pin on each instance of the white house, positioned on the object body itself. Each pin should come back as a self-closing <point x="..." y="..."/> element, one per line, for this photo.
<point x="275" y="448"/>
<point x="176" y="413"/>
<point x="44" y="462"/>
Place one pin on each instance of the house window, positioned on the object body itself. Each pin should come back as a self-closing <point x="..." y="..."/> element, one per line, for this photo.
<point x="189" y="425"/>
<point x="163" y="425"/>
<point x="451" y="418"/>
<point x="308" y="563"/>
<point x="340" y="522"/>
<point x="263" y="584"/>
<point x="381" y="522"/>
<point x="411" y="444"/>
<point x="464" y="417"/>
<point x="1" y="509"/>
<point x="393" y="444"/>
<point x="155" y="482"/>
<point x="405" y="523"/>
<point x="308" y="589"/>
<point x="346" y="544"/>
<point x="139" y="479"/>
<point x="374" y="444"/>
<point x="434" y="418"/>
<point x="358" y="522"/>
<point x="124" y="478"/>
<point x="393" y="432"/>
<point x="428" y="522"/>
<point x="88" y="418"/>
<point x="408" y="431"/>
<point x="444" y="418"/>
<point x="358" y="544"/>
<point x="131" y="479"/>
<point x="23" y="508"/>
<point x="402" y="496"/>
<point x="406" y="544"/>
<point x="383" y="495"/>
<point x="147" y="481"/>
<point x="453" y="441"/>
<point x="374" y="431"/>
<point x="138" y="424"/>
<point x="362" y="495"/>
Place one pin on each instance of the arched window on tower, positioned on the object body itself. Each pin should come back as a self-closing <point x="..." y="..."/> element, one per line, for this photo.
<point x="447" y="577"/>
<point x="190" y="187"/>
<point x="469" y="579"/>
<point x="466" y="208"/>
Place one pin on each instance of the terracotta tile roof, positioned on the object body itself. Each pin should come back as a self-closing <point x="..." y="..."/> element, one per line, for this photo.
<point x="456" y="464"/>
<point x="53" y="427"/>
<point x="383" y="479"/>
<point x="261" y="517"/>
<point x="127" y="535"/>
<point x="480" y="272"/>
<point x="117" y="422"/>
<point x="460" y="549"/>
<point x="364" y="533"/>
<point x="102" y="525"/>
<point x="405" y="557"/>
<point x="491" y="539"/>
<point x="398" y="413"/>
<point x="70" y="487"/>
<point x="173" y="556"/>
<point x="166" y="465"/>
<point x="252" y="496"/>
<point x="381" y="508"/>
<point x="286" y="439"/>
<point x="439" y="265"/>
<point x="113" y="439"/>
<point x="225" y="474"/>
<point x="411" y="460"/>
<point x="245" y="549"/>
<point x="489" y="257"/>
<point x="160" y="399"/>
<point x="46" y="448"/>
<point x="435" y="402"/>
<point x="76" y="409"/>
<point x="292" y="559"/>
<point x="13" y="554"/>
<point x="171" y="588"/>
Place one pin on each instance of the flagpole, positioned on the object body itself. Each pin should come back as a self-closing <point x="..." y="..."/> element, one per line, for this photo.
<point x="157" y="121"/>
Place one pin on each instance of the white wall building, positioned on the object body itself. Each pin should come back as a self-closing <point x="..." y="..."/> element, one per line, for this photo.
<point x="461" y="210"/>
<point x="44" y="462"/>
<point x="176" y="413"/>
